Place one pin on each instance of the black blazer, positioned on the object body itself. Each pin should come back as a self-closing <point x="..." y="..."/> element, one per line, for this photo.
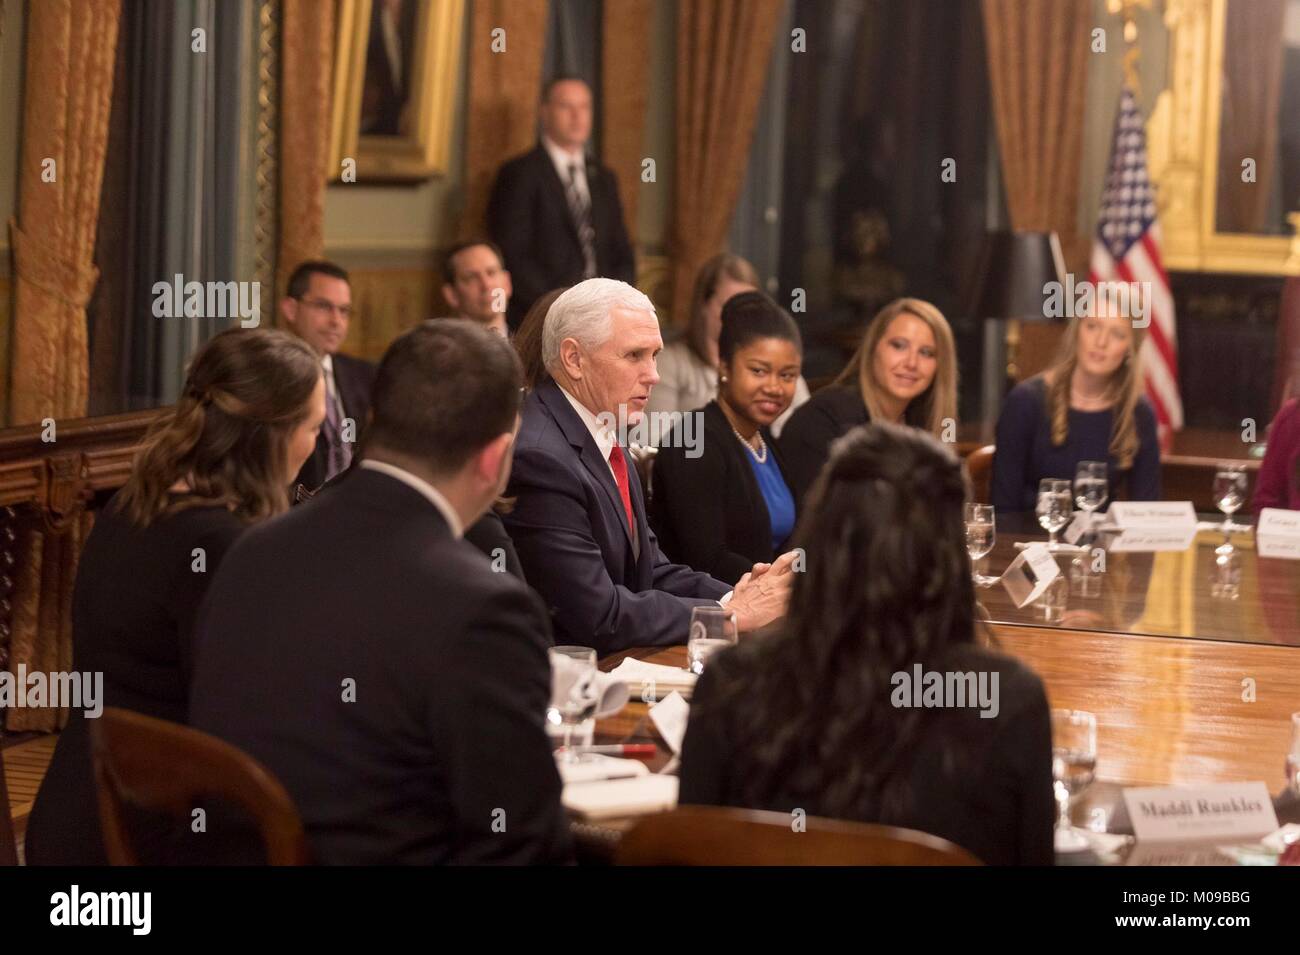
<point x="575" y="546"/>
<point x="983" y="783"/>
<point x="354" y="378"/>
<point x="528" y="217"/>
<point x="133" y="608"/>
<point x="807" y="437"/>
<point x="708" y="511"/>
<point x="364" y="590"/>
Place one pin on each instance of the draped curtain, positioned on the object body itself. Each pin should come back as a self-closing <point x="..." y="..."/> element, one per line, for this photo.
<point x="70" y="50"/>
<point x="1038" y="62"/>
<point x="503" y="93"/>
<point x="1252" y="92"/>
<point x="723" y="52"/>
<point x="306" y="53"/>
<point x="625" y="80"/>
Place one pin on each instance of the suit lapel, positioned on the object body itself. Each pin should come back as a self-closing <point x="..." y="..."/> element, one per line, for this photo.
<point x="575" y="430"/>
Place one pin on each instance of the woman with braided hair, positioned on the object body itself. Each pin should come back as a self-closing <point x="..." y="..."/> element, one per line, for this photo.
<point x="220" y="460"/>
<point x="826" y="714"/>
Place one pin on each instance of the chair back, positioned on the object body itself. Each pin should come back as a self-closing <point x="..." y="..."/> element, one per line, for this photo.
<point x="713" y="836"/>
<point x="162" y="766"/>
<point x="979" y="468"/>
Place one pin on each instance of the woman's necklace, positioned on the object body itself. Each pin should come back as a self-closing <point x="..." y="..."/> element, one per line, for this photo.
<point x="761" y="454"/>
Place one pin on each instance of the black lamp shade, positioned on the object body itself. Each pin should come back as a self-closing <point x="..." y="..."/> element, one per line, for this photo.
<point x="1015" y="267"/>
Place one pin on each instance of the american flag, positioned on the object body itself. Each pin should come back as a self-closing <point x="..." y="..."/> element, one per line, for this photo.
<point x="1127" y="249"/>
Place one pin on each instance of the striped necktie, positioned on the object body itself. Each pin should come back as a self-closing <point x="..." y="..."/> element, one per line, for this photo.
<point x="580" y="209"/>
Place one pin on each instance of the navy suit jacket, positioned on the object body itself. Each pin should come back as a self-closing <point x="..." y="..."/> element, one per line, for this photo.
<point x="575" y="546"/>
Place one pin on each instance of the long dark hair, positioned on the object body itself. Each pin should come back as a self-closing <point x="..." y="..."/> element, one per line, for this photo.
<point x="246" y="391"/>
<point x="528" y="339"/>
<point x="887" y="585"/>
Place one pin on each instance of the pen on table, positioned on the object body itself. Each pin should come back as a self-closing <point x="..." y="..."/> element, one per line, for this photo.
<point x="619" y="749"/>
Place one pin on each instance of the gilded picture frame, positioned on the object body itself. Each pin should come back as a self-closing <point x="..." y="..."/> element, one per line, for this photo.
<point x="396" y="63"/>
<point x="1183" y="142"/>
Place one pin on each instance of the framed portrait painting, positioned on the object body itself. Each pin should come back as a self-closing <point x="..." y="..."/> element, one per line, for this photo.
<point x="395" y="69"/>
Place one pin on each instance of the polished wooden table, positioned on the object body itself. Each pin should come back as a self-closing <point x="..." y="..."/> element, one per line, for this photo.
<point x="1189" y="685"/>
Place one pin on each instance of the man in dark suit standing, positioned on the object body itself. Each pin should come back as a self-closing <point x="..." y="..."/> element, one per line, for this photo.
<point x="555" y="211"/>
<point x="317" y="307"/>
<point x="579" y="521"/>
<point x="371" y="658"/>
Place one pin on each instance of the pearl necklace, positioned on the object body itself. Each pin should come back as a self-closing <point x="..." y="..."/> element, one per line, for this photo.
<point x="761" y="454"/>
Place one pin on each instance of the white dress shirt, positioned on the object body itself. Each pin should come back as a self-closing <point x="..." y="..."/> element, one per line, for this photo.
<point x="331" y="388"/>
<point x="563" y="160"/>
<point x="424" y="487"/>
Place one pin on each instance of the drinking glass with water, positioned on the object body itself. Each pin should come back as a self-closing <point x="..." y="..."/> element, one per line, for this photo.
<point x="981" y="532"/>
<point x="1091" y="488"/>
<point x="574" y="693"/>
<point x="1074" y="766"/>
<point x="1229" y="491"/>
<point x="1054" y="508"/>
<point x="712" y="629"/>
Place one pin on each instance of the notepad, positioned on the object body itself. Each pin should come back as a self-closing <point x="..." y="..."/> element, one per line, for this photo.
<point x="596" y="767"/>
<point x="641" y="676"/>
<point x="638" y="796"/>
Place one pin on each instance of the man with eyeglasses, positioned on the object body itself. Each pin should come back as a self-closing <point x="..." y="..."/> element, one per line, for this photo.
<point x="317" y="308"/>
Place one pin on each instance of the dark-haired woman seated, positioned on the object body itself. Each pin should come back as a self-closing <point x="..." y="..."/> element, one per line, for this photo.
<point x="222" y="459"/>
<point x="720" y="502"/>
<point x="904" y="372"/>
<point x="821" y="715"/>
<point x="1088" y="406"/>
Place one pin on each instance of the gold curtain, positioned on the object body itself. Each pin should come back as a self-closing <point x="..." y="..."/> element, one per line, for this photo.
<point x="625" y="81"/>
<point x="503" y="91"/>
<point x="306" y="52"/>
<point x="1252" y="92"/>
<point x="1038" y="61"/>
<point x="723" y="51"/>
<point x="69" y="79"/>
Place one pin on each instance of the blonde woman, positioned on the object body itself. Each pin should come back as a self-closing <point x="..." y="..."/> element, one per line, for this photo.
<point x="1087" y="407"/>
<point x="904" y="372"/>
<point x="688" y="367"/>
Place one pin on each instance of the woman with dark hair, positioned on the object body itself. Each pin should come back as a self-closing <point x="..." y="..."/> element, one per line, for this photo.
<point x="720" y="500"/>
<point x="528" y="339"/>
<point x="904" y="372"/>
<point x="825" y="715"/>
<point x="688" y="366"/>
<point x="220" y="460"/>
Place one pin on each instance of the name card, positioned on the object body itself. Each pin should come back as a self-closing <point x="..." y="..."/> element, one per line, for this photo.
<point x="1274" y="521"/>
<point x="1146" y="540"/>
<point x="1030" y="574"/>
<point x="1083" y="523"/>
<point x="1191" y="813"/>
<point x="669" y="716"/>
<point x="1282" y="548"/>
<point x="1153" y="515"/>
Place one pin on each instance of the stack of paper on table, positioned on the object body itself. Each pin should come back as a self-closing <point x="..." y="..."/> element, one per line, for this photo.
<point x="638" y="675"/>
<point x="639" y="795"/>
<point x="594" y="767"/>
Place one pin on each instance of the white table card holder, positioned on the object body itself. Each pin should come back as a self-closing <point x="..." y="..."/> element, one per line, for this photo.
<point x="1030" y="574"/>
<point x="1237" y="811"/>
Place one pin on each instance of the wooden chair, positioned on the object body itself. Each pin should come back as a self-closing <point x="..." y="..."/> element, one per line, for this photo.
<point x="154" y="764"/>
<point x="707" y="835"/>
<point x="979" y="468"/>
<point x="8" y="843"/>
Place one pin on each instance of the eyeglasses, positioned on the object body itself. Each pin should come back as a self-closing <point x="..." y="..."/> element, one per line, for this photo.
<point x="345" y="311"/>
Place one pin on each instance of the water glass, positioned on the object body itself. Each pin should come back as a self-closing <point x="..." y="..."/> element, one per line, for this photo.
<point x="1293" y="757"/>
<point x="1074" y="766"/>
<point x="1230" y="485"/>
<point x="1055" y="507"/>
<point x="574" y="693"/>
<point x="981" y="532"/>
<point x="1090" y="486"/>
<point x="1225" y="578"/>
<point x="712" y="629"/>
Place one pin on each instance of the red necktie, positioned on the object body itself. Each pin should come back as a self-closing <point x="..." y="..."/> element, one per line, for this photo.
<point x="619" y="463"/>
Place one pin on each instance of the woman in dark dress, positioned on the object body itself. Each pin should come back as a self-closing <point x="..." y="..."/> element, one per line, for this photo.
<point x="904" y="372"/>
<point x="814" y="716"/>
<point x="221" y="460"/>
<point x="722" y="504"/>
<point x="1088" y="406"/>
